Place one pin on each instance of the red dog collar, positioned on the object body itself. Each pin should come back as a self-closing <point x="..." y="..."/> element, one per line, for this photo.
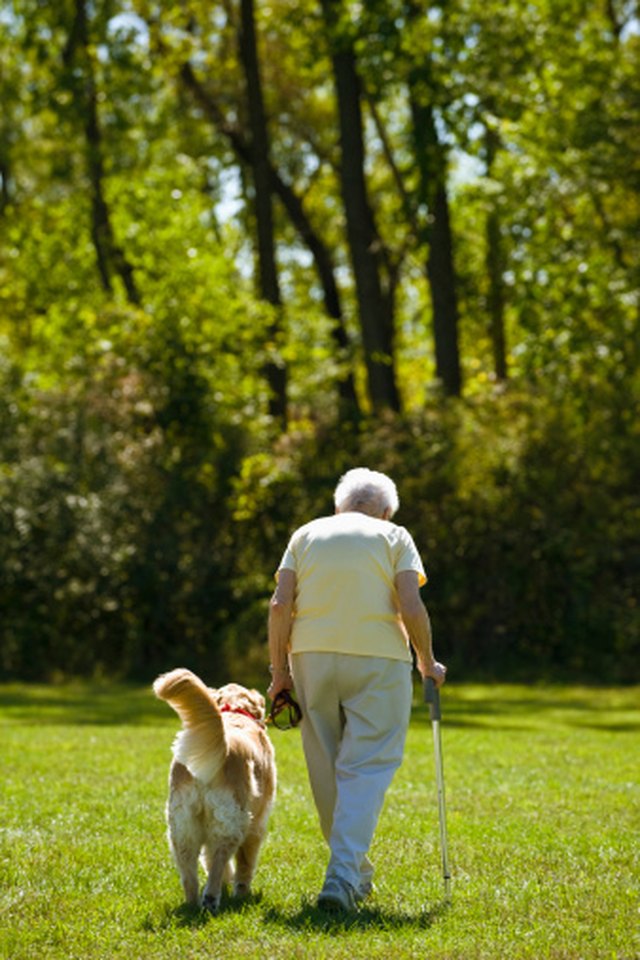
<point x="225" y="708"/>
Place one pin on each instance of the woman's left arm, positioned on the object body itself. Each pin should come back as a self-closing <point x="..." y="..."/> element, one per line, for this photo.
<point x="416" y="621"/>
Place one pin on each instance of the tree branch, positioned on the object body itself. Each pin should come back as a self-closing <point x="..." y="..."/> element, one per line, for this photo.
<point x="295" y="210"/>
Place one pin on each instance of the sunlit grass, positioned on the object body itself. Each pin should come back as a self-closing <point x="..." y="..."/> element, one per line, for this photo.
<point x="543" y="807"/>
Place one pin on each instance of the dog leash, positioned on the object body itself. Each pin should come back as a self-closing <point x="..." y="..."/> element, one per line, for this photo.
<point x="287" y="708"/>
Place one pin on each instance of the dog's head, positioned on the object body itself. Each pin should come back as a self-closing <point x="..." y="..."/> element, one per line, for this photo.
<point x="236" y="697"/>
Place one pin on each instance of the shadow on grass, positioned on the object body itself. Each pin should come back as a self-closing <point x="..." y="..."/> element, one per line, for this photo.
<point x="511" y="708"/>
<point x="309" y="917"/>
<point x="611" y="727"/>
<point x="183" y="916"/>
<point x="194" y="917"/>
<point x="82" y="703"/>
<point x="521" y="708"/>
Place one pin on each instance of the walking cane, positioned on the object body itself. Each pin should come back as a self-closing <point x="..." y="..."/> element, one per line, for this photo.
<point x="432" y="697"/>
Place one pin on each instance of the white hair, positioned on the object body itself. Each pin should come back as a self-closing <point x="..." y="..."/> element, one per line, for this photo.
<point x="367" y="491"/>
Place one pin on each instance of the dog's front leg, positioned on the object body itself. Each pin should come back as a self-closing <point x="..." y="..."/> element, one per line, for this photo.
<point x="216" y="865"/>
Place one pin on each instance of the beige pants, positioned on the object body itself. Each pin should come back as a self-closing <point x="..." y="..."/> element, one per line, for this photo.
<point x="355" y="717"/>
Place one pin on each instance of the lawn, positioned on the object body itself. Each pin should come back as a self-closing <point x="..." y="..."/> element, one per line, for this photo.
<point x="543" y="803"/>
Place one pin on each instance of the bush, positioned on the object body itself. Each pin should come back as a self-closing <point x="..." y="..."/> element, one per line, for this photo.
<point x="141" y="526"/>
<point x="527" y="517"/>
<point x="115" y="550"/>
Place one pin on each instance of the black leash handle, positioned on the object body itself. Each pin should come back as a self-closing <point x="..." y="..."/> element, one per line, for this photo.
<point x="281" y="702"/>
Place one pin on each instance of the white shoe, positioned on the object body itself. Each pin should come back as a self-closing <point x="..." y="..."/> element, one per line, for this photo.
<point x="337" y="895"/>
<point x="364" y="890"/>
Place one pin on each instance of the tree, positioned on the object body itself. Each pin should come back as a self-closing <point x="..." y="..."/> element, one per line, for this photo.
<point x="495" y="267"/>
<point x="406" y="63"/>
<point x="144" y="494"/>
<point x="436" y="232"/>
<point x="78" y="60"/>
<point x="261" y="170"/>
<point x="375" y="309"/>
<point x="294" y="206"/>
<point x="214" y="94"/>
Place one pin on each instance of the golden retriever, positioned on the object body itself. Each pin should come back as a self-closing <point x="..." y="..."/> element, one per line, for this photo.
<point x="222" y="784"/>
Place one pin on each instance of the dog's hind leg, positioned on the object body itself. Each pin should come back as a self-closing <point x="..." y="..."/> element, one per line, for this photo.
<point x="229" y="874"/>
<point x="185" y="854"/>
<point x="185" y="833"/>
<point x="246" y="860"/>
<point x="217" y="862"/>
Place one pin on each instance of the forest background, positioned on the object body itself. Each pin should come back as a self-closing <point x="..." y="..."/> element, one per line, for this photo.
<point x="247" y="245"/>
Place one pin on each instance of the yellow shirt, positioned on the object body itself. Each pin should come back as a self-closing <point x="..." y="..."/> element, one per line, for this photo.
<point x="346" y="600"/>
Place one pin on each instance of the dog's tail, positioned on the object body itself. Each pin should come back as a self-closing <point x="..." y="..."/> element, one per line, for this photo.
<point x="201" y="744"/>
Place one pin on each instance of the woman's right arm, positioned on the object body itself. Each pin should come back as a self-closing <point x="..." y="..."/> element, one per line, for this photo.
<point x="280" y="622"/>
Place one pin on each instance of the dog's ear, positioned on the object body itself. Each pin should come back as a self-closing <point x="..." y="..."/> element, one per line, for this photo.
<point x="236" y="696"/>
<point x="230" y="694"/>
<point x="258" y="704"/>
<point x="252" y="701"/>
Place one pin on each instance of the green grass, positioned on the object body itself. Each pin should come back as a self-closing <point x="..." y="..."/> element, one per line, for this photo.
<point x="543" y="806"/>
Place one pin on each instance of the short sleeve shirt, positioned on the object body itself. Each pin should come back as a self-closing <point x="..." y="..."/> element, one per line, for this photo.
<point x="346" y="600"/>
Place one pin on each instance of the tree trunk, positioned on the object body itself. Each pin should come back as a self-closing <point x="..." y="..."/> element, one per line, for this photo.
<point x="431" y="162"/>
<point x="326" y="274"/>
<point x="261" y="169"/>
<point x="5" y="179"/>
<point x="110" y="257"/>
<point x="495" y="271"/>
<point x="365" y="248"/>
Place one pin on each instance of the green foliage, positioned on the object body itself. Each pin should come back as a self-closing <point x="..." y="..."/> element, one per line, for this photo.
<point x="527" y="518"/>
<point x="145" y="496"/>
<point x="140" y="526"/>
<point x="114" y="556"/>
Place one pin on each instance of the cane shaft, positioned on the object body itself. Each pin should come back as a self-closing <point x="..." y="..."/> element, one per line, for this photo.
<point x="432" y="697"/>
<point x="442" y="810"/>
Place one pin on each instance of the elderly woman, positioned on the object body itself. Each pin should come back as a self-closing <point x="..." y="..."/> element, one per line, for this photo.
<point x="344" y="613"/>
